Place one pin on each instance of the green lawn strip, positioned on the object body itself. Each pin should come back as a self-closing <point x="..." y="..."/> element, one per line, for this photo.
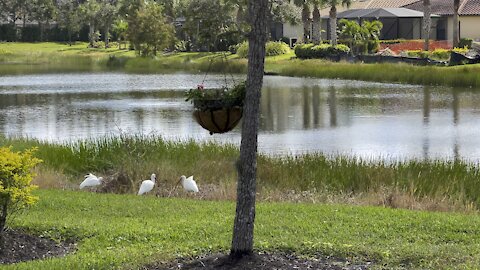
<point x="128" y="231"/>
<point x="58" y="57"/>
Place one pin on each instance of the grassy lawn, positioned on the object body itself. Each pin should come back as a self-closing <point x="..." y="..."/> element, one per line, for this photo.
<point x="18" y="58"/>
<point x="128" y="231"/>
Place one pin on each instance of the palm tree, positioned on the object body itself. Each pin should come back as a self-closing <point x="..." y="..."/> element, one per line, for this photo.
<point x="427" y="23"/>
<point x="333" y="17"/>
<point x="456" y="36"/>
<point x="317" y="26"/>
<point x="305" y="5"/>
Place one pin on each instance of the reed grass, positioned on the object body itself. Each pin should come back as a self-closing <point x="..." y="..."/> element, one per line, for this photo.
<point x="454" y="183"/>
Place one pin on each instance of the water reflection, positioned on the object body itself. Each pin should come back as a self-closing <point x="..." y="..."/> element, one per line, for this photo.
<point x="297" y="115"/>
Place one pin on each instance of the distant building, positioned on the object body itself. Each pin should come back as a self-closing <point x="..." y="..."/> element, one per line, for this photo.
<point x="402" y="23"/>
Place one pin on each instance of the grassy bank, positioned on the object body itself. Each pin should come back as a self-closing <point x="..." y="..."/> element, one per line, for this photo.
<point x="431" y="185"/>
<point x="126" y="231"/>
<point x="18" y="58"/>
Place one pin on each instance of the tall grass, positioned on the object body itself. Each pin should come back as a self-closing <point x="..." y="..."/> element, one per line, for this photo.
<point x="461" y="76"/>
<point x="136" y="157"/>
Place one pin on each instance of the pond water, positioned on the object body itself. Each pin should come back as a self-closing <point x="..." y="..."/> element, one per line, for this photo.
<point x="298" y="115"/>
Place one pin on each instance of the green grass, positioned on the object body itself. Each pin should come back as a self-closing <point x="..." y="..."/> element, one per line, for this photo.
<point x="125" y="231"/>
<point x="18" y="58"/>
<point x="454" y="182"/>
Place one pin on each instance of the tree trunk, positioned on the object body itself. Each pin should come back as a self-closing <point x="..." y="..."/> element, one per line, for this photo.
<point x="90" y="34"/>
<point x="107" y="36"/>
<point x="242" y="240"/>
<point x="317" y="34"/>
<point x="306" y="23"/>
<point x="427" y="24"/>
<point x="456" y="34"/>
<point x="333" y="25"/>
<point x="40" y="26"/>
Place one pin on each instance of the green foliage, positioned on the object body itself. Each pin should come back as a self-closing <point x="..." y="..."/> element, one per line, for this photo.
<point x="363" y="38"/>
<point x="148" y="30"/>
<point x="15" y="181"/>
<point x="273" y="48"/>
<point x="465" y="43"/>
<point x="437" y="54"/>
<point x="242" y="49"/>
<point x="229" y="97"/>
<point x="308" y="51"/>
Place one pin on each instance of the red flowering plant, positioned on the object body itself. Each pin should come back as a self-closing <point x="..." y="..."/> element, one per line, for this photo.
<point x="216" y="98"/>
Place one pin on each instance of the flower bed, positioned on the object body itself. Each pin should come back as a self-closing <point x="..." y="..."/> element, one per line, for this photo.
<point x="414" y="45"/>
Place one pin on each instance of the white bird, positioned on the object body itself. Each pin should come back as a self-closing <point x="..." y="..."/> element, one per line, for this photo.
<point x="91" y="181"/>
<point x="188" y="184"/>
<point x="147" y="185"/>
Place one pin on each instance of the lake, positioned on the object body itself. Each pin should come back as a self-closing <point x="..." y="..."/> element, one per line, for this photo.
<point x="298" y="115"/>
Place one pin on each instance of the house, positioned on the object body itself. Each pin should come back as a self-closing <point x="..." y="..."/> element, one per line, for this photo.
<point x="407" y="23"/>
<point x="469" y="11"/>
<point x="398" y="23"/>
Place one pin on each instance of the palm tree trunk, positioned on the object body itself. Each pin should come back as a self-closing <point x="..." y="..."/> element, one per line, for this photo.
<point x="242" y="240"/>
<point x="90" y="34"/>
<point x="317" y="35"/>
<point x="107" y="36"/>
<point x="427" y="24"/>
<point x="456" y="34"/>
<point x="306" y="23"/>
<point x="333" y="25"/>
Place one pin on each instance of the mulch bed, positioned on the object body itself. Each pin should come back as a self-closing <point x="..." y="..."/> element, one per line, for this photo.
<point x="20" y="246"/>
<point x="258" y="261"/>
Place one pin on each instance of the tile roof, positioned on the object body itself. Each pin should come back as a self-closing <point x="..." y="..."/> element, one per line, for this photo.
<point x="445" y="7"/>
<point x="389" y="3"/>
<point x="471" y="7"/>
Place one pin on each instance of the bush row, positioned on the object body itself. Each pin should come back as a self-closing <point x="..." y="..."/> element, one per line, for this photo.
<point x="273" y="48"/>
<point x="438" y="54"/>
<point x="306" y="51"/>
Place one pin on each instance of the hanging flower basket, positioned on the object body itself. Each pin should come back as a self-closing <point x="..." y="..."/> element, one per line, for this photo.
<point x="217" y="110"/>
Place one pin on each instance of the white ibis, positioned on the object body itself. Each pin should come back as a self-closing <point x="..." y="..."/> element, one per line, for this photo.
<point x="91" y="181"/>
<point x="188" y="184"/>
<point x="147" y="185"/>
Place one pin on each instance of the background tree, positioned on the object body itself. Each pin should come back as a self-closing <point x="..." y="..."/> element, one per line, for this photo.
<point x="206" y="20"/>
<point x="242" y="240"/>
<point x="456" y="34"/>
<point x="149" y="31"/>
<point x="333" y="17"/>
<point x="43" y="12"/>
<point x="15" y="183"/>
<point x="11" y="11"/>
<point x="107" y="13"/>
<point x="69" y="19"/>
<point x="89" y="11"/>
<point x="305" y="6"/>
<point x="120" y="28"/>
<point x="427" y="23"/>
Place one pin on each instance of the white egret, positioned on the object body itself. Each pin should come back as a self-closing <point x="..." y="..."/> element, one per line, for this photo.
<point x="91" y="181"/>
<point x="147" y="185"/>
<point x="188" y="184"/>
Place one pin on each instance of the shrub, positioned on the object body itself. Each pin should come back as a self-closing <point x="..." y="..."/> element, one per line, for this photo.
<point x="438" y="54"/>
<point x="242" y="49"/>
<point x="307" y="51"/>
<point x="273" y="48"/>
<point x="465" y="43"/>
<point x="15" y="182"/>
<point x="277" y="48"/>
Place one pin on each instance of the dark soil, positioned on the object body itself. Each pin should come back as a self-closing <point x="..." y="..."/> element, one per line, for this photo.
<point x="258" y="261"/>
<point x="19" y="246"/>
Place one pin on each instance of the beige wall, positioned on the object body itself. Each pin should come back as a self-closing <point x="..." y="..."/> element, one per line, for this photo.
<point x="293" y="31"/>
<point x="470" y="27"/>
